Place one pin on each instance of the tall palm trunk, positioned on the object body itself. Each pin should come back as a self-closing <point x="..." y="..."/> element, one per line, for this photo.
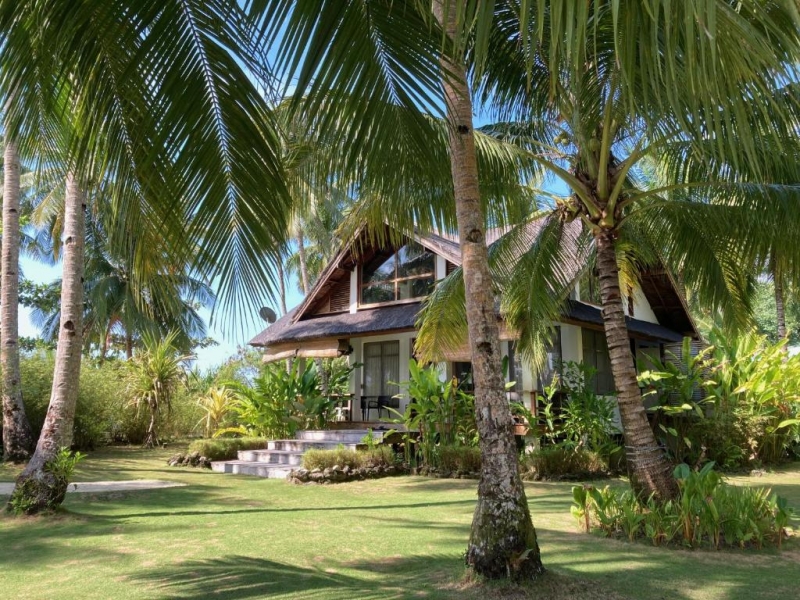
<point x="780" y="308"/>
<point x="282" y="284"/>
<point x="503" y="540"/>
<point x="648" y="468"/>
<point x="38" y="488"/>
<point x="17" y="435"/>
<point x="301" y="254"/>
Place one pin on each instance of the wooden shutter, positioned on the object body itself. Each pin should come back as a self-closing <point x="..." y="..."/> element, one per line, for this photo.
<point x="340" y="296"/>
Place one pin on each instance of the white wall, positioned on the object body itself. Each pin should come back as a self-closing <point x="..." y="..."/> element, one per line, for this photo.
<point x="641" y="307"/>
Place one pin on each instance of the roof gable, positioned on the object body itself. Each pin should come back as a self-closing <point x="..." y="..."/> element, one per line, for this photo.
<point x="663" y="294"/>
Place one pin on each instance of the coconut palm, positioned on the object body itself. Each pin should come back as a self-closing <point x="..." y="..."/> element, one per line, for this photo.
<point x="154" y="97"/>
<point x="593" y="92"/>
<point x="369" y="86"/>
<point x="17" y="434"/>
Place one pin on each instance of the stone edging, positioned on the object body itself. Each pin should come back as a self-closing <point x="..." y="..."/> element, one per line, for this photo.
<point x="337" y="474"/>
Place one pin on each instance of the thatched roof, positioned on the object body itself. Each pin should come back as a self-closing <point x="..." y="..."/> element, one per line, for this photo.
<point x="385" y="319"/>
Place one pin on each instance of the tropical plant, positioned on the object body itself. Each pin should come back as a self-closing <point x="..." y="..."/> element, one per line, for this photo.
<point x="279" y="402"/>
<point x="217" y="403"/>
<point x="187" y="141"/>
<point x="439" y="413"/>
<point x="587" y="418"/>
<point x="707" y="511"/>
<point x="154" y="374"/>
<point x="675" y="383"/>
<point x="61" y="467"/>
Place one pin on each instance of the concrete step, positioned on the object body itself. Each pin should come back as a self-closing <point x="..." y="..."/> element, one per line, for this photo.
<point x="274" y="457"/>
<point x="257" y="469"/>
<point x="345" y="436"/>
<point x="303" y="445"/>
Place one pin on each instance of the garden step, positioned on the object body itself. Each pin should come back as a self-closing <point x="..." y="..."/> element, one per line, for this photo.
<point x="257" y="469"/>
<point x="346" y="436"/>
<point x="276" y="457"/>
<point x="303" y="445"/>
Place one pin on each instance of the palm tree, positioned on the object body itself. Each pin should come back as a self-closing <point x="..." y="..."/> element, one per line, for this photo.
<point x="594" y="91"/>
<point x="158" y="101"/>
<point x="367" y="89"/>
<point x="154" y="374"/>
<point x="17" y="435"/>
<point x="125" y="296"/>
<point x="501" y="525"/>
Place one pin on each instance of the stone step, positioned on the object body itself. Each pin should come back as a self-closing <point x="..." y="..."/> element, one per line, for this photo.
<point x="257" y="469"/>
<point x="303" y="445"/>
<point x="345" y="436"/>
<point x="274" y="457"/>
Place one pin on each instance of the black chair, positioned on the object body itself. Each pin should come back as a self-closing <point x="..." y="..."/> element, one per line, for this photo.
<point x="378" y="403"/>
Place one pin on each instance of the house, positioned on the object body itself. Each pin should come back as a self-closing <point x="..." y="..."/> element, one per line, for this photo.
<point x="366" y="301"/>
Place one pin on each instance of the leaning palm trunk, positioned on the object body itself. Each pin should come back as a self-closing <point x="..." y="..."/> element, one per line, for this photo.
<point x="503" y="540"/>
<point x="38" y="489"/>
<point x="17" y="436"/>
<point x="648" y="468"/>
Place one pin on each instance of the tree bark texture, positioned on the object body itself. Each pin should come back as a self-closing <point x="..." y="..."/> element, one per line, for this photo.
<point x="17" y="436"/>
<point x="780" y="307"/>
<point x="648" y="468"/>
<point x="37" y="488"/>
<point x="282" y="285"/>
<point x="301" y="254"/>
<point x="503" y="540"/>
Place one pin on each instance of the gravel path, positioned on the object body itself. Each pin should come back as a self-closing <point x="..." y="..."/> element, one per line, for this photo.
<point x="98" y="487"/>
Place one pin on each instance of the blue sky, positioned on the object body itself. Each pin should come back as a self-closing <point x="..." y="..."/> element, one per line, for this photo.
<point x="206" y="357"/>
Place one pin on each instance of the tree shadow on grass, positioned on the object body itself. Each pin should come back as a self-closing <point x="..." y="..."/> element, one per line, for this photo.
<point x="216" y="511"/>
<point x="241" y="577"/>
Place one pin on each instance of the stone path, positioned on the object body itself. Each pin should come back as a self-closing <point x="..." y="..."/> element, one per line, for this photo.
<point x="98" y="487"/>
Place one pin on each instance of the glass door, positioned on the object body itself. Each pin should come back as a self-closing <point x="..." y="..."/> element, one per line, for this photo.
<point x="381" y="366"/>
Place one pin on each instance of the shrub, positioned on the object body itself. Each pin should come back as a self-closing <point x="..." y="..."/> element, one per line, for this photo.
<point x="278" y="403"/>
<point x="102" y="413"/>
<point x="749" y="415"/>
<point x="344" y="457"/>
<point x="707" y="512"/>
<point x="459" y="458"/>
<point x="225" y="448"/>
<point x="442" y="413"/>
<point x="559" y="462"/>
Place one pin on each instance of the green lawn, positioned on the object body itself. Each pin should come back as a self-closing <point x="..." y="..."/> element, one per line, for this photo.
<point x="235" y="537"/>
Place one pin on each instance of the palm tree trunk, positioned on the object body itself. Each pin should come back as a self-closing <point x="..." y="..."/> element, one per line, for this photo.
<point x="128" y="343"/>
<point x="780" y="308"/>
<point x="301" y="254"/>
<point x="503" y="540"/>
<point x="106" y="339"/>
<point x="648" y="468"/>
<point x="282" y="285"/>
<point x="17" y="435"/>
<point x="37" y="489"/>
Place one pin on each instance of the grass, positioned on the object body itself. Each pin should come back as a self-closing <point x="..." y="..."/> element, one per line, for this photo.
<point x="237" y="537"/>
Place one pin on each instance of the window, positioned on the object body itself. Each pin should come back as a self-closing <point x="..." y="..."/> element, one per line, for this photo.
<point x="514" y="371"/>
<point x="553" y="363"/>
<point x="462" y="371"/>
<point x="381" y="370"/>
<point x="595" y="355"/>
<point x="404" y="274"/>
